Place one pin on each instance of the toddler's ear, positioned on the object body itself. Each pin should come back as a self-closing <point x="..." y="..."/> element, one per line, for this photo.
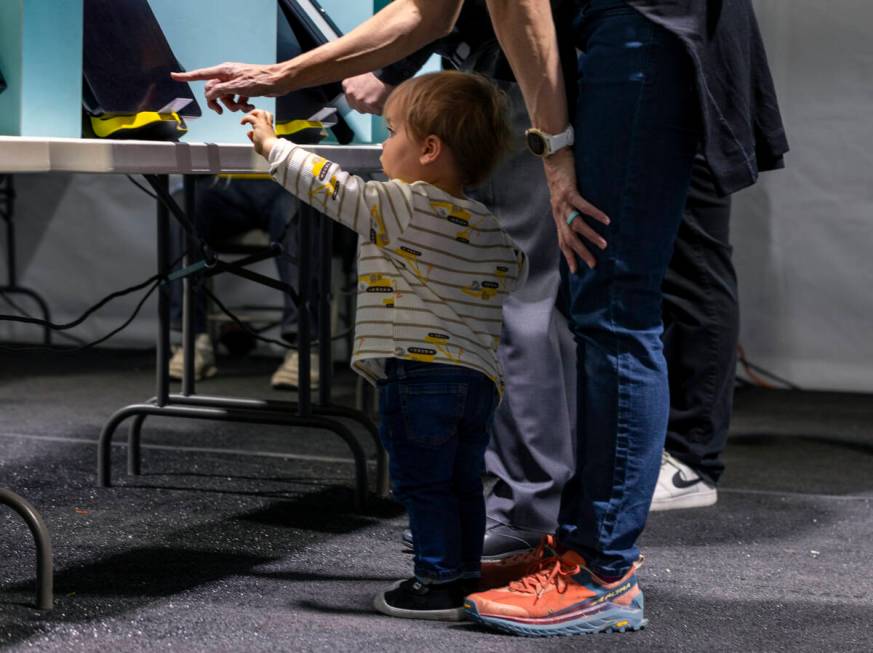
<point x="431" y="149"/>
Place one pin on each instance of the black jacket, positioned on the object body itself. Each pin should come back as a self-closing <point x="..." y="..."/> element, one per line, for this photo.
<point x="743" y="131"/>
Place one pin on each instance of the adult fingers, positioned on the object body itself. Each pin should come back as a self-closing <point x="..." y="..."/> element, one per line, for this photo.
<point x="231" y="102"/>
<point x="583" y="229"/>
<point x="200" y="74"/>
<point x="586" y="207"/>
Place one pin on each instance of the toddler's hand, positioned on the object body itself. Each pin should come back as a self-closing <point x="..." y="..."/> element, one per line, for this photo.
<point x="262" y="135"/>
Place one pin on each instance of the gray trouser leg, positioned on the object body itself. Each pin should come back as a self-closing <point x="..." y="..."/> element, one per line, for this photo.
<point x="531" y="451"/>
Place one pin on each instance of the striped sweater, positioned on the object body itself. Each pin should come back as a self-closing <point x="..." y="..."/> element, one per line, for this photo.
<point x="433" y="269"/>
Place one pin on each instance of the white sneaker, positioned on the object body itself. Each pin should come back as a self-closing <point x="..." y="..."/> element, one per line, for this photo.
<point x="204" y="359"/>
<point x="287" y="375"/>
<point x="679" y="487"/>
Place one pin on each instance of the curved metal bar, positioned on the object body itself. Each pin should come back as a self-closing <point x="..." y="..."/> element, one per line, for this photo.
<point x="330" y="410"/>
<point x="253" y="416"/>
<point x="44" y="575"/>
<point x="104" y="444"/>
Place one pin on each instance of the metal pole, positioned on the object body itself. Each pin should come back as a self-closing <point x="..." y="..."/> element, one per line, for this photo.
<point x="304" y="312"/>
<point x="325" y="345"/>
<point x="163" y="344"/>
<point x="187" y="297"/>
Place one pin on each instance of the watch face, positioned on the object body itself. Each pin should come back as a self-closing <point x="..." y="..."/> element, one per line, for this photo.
<point x="536" y="143"/>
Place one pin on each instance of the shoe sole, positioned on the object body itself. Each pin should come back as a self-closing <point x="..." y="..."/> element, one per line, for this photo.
<point x="615" y="619"/>
<point x="684" y="502"/>
<point x="451" y="614"/>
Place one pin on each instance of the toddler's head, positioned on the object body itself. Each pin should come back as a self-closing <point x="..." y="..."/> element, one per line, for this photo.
<point x="445" y="124"/>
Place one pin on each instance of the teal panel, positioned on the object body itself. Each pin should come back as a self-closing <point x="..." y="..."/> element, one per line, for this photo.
<point x="52" y="68"/>
<point x="41" y="58"/>
<point x="10" y="64"/>
<point x="208" y="32"/>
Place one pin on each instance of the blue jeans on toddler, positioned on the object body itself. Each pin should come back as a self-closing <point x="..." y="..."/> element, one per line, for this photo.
<point x="436" y="423"/>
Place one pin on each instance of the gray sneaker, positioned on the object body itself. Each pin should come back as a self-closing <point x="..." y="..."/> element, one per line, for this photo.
<point x="679" y="487"/>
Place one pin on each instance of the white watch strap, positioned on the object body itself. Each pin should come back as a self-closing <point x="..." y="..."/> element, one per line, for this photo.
<point x="560" y="141"/>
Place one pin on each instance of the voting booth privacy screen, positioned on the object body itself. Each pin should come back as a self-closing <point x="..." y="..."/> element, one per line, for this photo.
<point x="101" y="68"/>
<point x="127" y="91"/>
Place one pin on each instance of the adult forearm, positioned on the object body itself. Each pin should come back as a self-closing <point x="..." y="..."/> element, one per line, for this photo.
<point x="398" y="30"/>
<point x="526" y="32"/>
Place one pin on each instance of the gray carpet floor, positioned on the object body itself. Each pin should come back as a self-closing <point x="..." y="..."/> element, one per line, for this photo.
<point x="242" y="538"/>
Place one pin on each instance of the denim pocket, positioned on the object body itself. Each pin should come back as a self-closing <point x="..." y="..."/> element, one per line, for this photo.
<point x="432" y="411"/>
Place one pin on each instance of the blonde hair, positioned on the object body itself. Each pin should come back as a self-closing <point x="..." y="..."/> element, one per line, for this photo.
<point x="466" y="111"/>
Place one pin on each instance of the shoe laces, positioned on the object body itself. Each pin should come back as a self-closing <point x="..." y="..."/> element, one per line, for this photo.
<point x="539" y="581"/>
<point x="535" y="555"/>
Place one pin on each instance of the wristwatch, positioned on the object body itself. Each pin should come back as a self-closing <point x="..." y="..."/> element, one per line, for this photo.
<point x="543" y="145"/>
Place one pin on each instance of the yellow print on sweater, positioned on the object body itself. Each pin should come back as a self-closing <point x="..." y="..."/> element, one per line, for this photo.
<point x="410" y="257"/>
<point x="378" y="283"/>
<point x="484" y="290"/>
<point x="441" y="342"/>
<point x="420" y="354"/>
<point x="458" y="216"/>
<point x="378" y="232"/>
<point x="330" y="188"/>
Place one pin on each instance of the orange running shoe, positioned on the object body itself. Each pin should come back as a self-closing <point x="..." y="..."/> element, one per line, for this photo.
<point x="502" y="572"/>
<point x="562" y="597"/>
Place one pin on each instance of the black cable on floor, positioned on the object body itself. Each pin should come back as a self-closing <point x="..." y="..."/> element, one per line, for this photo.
<point x="16" y="307"/>
<point x="94" y="343"/>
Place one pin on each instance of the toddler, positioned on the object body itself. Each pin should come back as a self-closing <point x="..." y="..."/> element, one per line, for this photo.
<point x="434" y="269"/>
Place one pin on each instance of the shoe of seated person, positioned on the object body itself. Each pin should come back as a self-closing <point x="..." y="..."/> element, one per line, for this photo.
<point x="287" y="375"/>
<point x="679" y="486"/>
<point x="412" y="599"/>
<point x="204" y="359"/>
<point x="562" y="597"/>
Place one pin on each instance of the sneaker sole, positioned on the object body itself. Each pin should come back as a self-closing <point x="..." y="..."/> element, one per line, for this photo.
<point x="615" y="619"/>
<point x="451" y="614"/>
<point x="507" y="554"/>
<point x="683" y="502"/>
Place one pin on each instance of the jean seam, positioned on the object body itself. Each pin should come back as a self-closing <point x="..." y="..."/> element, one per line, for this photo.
<point x="608" y="523"/>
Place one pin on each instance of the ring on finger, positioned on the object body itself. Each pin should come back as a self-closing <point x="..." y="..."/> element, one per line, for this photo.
<point x="572" y="216"/>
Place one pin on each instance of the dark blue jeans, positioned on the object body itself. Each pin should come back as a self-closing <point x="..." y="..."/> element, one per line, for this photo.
<point x="636" y="134"/>
<point x="436" y="422"/>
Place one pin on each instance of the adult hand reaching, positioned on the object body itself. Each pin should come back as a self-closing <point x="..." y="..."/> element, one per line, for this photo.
<point x="232" y="84"/>
<point x="366" y="93"/>
<point x="561" y="177"/>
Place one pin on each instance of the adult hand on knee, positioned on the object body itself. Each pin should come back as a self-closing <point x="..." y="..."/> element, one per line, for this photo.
<point x="561" y="176"/>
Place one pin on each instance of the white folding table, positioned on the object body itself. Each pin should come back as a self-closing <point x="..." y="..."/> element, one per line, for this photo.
<point x="156" y="161"/>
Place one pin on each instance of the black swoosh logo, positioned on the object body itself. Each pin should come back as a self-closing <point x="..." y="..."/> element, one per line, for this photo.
<point x="681" y="483"/>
